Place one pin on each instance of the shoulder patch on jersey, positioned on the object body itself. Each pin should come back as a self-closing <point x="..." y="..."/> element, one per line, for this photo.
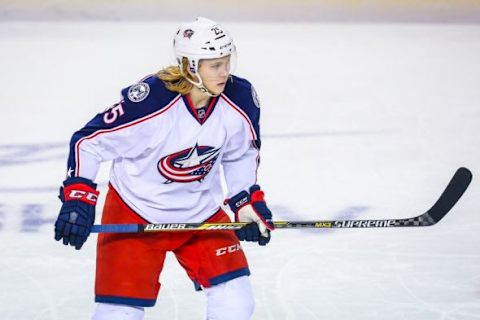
<point x="255" y="98"/>
<point x="138" y="92"/>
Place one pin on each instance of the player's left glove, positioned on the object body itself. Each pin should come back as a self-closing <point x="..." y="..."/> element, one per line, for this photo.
<point x="77" y="215"/>
<point x="251" y="207"/>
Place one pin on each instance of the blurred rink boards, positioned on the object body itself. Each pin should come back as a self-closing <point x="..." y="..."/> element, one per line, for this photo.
<point x="427" y="11"/>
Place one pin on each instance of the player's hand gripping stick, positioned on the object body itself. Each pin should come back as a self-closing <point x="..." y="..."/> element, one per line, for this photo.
<point x="251" y="207"/>
<point x="77" y="215"/>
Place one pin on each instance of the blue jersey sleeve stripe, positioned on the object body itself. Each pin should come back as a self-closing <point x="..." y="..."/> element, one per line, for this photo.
<point x="120" y="127"/>
<point x="243" y="114"/>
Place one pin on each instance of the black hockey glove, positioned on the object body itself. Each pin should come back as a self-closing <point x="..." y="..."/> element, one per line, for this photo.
<point x="251" y="207"/>
<point x="77" y="215"/>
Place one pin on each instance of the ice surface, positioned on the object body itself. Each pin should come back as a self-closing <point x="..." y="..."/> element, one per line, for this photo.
<point x="359" y="121"/>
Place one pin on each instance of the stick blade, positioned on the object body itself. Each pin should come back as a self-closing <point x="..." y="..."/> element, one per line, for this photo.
<point x="452" y="193"/>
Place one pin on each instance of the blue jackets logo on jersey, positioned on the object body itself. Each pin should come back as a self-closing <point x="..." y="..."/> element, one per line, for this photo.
<point x="188" y="165"/>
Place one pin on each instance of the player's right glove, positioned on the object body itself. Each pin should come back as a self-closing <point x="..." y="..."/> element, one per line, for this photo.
<point x="251" y="207"/>
<point x="77" y="215"/>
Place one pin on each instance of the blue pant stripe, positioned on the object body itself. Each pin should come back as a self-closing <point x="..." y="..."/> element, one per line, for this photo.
<point x="229" y="276"/>
<point x="127" y="301"/>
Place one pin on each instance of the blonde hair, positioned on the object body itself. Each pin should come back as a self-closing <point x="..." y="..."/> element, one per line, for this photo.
<point x="175" y="79"/>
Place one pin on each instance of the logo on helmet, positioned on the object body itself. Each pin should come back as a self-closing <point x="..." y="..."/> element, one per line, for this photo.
<point x="188" y="33"/>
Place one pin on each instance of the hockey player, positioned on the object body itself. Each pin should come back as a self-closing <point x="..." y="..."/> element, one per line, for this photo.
<point x="167" y="139"/>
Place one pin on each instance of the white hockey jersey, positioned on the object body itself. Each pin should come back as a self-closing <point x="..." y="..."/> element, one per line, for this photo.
<point x="166" y="156"/>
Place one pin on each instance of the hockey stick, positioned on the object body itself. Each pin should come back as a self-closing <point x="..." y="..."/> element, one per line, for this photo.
<point x="452" y="193"/>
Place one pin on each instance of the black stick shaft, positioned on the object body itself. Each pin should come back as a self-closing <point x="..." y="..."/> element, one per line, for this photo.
<point x="449" y="197"/>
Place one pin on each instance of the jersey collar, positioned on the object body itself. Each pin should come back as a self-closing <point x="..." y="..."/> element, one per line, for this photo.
<point x="194" y="112"/>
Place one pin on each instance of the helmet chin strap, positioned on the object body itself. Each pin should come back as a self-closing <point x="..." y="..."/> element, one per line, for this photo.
<point x="199" y="85"/>
<point x="204" y="89"/>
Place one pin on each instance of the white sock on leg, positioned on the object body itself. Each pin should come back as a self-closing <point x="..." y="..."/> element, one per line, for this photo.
<point x="231" y="300"/>
<point x="110" y="311"/>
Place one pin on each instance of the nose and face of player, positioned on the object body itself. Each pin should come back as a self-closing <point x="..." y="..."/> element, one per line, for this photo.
<point x="214" y="74"/>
